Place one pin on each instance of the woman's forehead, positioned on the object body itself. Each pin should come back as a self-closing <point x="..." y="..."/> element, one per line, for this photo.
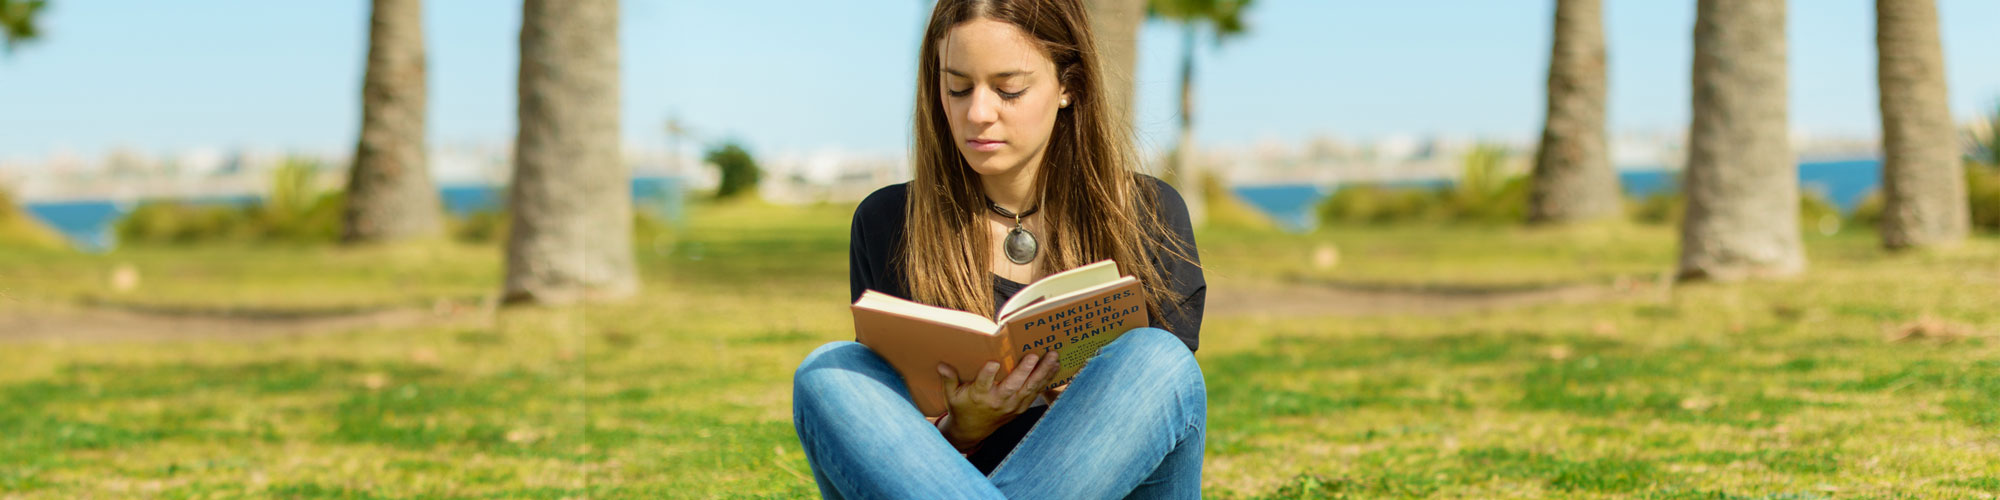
<point x="985" y="48"/>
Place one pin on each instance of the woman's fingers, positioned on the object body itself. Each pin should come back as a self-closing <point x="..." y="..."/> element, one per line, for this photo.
<point x="949" y="379"/>
<point x="1018" y="378"/>
<point x="1047" y="372"/>
<point x="1041" y="377"/>
<point x="984" y="383"/>
<point x="1012" y="394"/>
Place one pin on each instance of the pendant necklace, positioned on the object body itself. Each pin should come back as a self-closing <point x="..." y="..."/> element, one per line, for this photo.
<point x="1020" y="244"/>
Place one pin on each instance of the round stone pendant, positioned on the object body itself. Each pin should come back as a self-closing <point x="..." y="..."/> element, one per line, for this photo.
<point x="1021" y="246"/>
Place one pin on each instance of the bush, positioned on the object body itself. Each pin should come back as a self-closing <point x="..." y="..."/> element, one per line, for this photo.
<point x="293" y="213"/>
<point x="491" y="227"/>
<point x="1667" y="208"/>
<point x="1983" y="140"/>
<point x="1226" y="209"/>
<point x="1982" y="193"/>
<point x="1484" y="194"/>
<point x="1982" y="190"/>
<point x="18" y="229"/>
<point x="1373" y="204"/>
<point x="1816" y="214"/>
<point x="738" y="170"/>
<point x="1867" y="213"/>
<point x="480" y="227"/>
<point x="173" y="222"/>
<point x="178" y="222"/>
<point x="1659" y="208"/>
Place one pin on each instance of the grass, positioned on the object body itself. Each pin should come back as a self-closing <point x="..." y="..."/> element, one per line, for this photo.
<point x="1763" y="390"/>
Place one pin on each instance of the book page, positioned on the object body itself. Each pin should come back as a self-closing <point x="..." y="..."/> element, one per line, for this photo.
<point x="1093" y="274"/>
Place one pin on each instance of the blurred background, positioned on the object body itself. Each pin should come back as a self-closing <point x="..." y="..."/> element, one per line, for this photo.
<point x="1524" y="249"/>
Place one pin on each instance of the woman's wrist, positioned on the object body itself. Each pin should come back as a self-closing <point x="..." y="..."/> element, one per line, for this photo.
<point x="964" y="440"/>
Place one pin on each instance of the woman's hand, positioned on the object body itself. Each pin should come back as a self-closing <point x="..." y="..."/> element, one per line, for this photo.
<point x="1054" y="392"/>
<point x="980" y="406"/>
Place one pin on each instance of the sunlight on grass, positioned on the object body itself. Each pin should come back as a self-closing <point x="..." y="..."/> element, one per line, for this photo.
<point x="1781" y="389"/>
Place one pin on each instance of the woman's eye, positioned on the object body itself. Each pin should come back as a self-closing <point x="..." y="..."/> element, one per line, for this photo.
<point x="959" y="93"/>
<point x="1010" y="95"/>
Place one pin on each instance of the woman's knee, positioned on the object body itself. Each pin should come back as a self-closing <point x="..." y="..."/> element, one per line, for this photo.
<point x="1154" y="349"/>
<point x="838" y="354"/>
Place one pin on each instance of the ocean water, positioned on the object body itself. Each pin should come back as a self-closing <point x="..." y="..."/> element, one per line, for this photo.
<point x="1844" y="183"/>
<point x="87" y="223"/>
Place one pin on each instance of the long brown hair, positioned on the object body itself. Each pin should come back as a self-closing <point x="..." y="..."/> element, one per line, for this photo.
<point x="1094" y="204"/>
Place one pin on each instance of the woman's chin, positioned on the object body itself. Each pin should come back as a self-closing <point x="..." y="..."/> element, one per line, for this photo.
<point x="988" y="165"/>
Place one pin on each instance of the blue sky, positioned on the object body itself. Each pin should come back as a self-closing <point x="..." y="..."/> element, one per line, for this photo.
<point x="803" y="75"/>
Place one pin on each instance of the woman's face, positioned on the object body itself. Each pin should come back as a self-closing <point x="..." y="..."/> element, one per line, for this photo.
<point x="1000" y="93"/>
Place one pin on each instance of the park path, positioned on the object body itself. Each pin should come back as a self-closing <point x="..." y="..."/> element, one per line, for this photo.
<point x="105" y="322"/>
<point x="1347" y="299"/>
<point x="112" y="323"/>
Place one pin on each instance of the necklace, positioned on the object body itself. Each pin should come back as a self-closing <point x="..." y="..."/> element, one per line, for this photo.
<point x="1020" y="244"/>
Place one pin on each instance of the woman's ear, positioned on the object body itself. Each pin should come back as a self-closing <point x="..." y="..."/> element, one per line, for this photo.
<point x="1062" y="99"/>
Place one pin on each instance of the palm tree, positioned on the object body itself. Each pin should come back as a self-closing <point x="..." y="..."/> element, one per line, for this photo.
<point x="571" y="234"/>
<point x="1741" y="181"/>
<point x="389" y="191"/>
<point x="17" y="21"/>
<point x="17" y="27"/>
<point x="1573" y="179"/>
<point x="1225" y="18"/>
<point x="1116" y="26"/>
<point x="1923" y="181"/>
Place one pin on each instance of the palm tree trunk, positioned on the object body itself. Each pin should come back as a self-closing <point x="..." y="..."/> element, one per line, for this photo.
<point x="1741" y="180"/>
<point x="390" y="196"/>
<point x="1187" y="171"/>
<point x="571" y="237"/>
<point x="1573" y="179"/>
<point x="1923" y="181"/>
<point x="1116" y="26"/>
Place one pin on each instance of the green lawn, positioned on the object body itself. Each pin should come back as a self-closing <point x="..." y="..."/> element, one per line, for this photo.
<point x="1766" y="390"/>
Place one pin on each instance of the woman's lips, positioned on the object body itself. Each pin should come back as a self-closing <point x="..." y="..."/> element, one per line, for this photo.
<point x="983" y="145"/>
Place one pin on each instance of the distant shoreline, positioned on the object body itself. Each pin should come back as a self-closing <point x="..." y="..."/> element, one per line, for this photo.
<point x="1842" y="181"/>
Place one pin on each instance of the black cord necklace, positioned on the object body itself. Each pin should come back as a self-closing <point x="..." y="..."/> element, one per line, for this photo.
<point x="1020" y="244"/>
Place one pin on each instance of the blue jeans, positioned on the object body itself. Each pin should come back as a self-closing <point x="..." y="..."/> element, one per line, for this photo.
<point x="1131" y="425"/>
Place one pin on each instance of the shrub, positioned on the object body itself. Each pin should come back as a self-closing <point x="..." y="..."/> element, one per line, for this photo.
<point x="1867" y="213"/>
<point x="1665" y="208"/>
<point x="491" y="227"/>
<point x="18" y="229"/>
<point x="485" y="226"/>
<point x="1982" y="189"/>
<point x="1485" y="193"/>
<point x="1982" y="193"/>
<point x="1659" y="208"/>
<point x="293" y="212"/>
<point x="1816" y="214"/>
<point x="739" y="171"/>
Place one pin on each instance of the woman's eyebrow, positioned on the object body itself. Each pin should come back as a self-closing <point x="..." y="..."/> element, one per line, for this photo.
<point x="1003" y="74"/>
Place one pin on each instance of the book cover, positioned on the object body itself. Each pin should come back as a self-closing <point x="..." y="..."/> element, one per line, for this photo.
<point x="1075" y="312"/>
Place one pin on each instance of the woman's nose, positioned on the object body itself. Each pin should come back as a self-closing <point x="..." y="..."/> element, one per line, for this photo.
<point x="984" y="107"/>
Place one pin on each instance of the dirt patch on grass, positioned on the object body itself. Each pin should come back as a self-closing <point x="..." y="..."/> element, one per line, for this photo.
<point x="104" y="321"/>
<point x="1331" y="298"/>
<point x="101" y="322"/>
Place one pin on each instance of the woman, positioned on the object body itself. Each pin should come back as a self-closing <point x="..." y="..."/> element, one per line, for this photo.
<point x="1019" y="175"/>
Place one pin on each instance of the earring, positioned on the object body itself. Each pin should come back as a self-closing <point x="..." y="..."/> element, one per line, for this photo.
<point x="1064" y="103"/>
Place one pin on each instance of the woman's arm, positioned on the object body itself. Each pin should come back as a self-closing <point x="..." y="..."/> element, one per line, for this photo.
<point x="860" y="273"/>
<point x="1183" y="276"/>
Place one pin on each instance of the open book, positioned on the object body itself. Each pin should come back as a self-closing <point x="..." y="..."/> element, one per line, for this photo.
<point x="1075" y="312"/>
